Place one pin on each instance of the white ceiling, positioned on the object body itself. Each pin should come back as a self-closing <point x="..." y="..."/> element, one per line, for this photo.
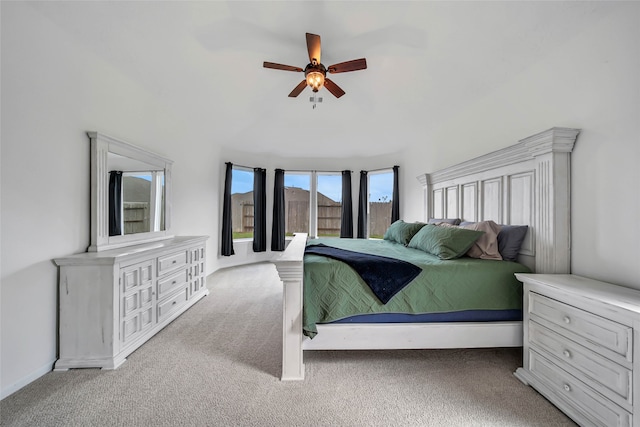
<point x="425" y="61"/>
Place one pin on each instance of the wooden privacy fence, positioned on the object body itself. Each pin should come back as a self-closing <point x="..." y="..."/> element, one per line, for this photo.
<point x="297" y="218"/>
<point x="379" y="218"/>
<point x="135" y="217"/>
<point x="329" y="218"/>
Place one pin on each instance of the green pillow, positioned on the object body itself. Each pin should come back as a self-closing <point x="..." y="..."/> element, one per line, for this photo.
<point x="444" y="242"/>
<point x="402" y="232"/>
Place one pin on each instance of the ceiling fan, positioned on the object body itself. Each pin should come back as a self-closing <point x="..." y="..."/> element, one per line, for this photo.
<point x="315" y="73"/>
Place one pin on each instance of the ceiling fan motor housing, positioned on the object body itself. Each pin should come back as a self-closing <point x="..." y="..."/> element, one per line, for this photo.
<point x="315" y="74"/>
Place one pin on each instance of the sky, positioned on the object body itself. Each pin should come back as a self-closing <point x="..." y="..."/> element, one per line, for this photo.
<point x="380" y="184"/>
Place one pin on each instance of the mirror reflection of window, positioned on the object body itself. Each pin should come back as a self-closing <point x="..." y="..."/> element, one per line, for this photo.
<point x="142" y="201"/>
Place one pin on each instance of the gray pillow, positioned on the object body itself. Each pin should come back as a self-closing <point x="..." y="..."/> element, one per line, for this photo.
<point x="510" y="240"/>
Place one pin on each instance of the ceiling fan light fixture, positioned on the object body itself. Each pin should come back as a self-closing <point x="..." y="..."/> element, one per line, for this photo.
<point x="315" y="80"/>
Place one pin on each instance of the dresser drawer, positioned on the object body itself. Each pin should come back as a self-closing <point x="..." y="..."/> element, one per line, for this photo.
<point x="166" y="308"/>
<point x="588" y="402"/>
<point x="168" y="284"/>
<point x="597" y="332"/>
<point x="611" y="379"/>
<point x="172" y="261"/>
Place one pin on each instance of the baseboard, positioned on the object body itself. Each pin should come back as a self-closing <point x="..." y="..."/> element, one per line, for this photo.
<point x="27" y="380"/>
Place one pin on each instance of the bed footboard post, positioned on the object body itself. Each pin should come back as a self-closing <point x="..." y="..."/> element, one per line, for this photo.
<point x="290" y="269"/>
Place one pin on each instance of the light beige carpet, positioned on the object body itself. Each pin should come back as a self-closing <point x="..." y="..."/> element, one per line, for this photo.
<point x="219" y="365"/>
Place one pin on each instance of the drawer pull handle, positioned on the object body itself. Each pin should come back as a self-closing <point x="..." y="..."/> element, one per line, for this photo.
<point x="567" y="387"/>
<point x="567" y="354"/>
<point x="173" y="283"/>
<point x="567" y="319"/>
<point x="174" y="303"/>
<point x="174" y="261"/>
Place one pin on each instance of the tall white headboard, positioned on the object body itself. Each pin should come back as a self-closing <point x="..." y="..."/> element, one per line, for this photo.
<point x="528" y="183"/>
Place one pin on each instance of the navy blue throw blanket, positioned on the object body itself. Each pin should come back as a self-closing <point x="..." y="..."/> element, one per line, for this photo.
<point x="385" y="276"/>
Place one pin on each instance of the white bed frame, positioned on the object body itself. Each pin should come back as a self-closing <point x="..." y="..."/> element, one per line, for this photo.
<point x="526" y="183"/>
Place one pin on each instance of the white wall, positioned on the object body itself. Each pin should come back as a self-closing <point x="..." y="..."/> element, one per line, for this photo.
<point x="592" y="83"/>
<point x="54" y="89"/>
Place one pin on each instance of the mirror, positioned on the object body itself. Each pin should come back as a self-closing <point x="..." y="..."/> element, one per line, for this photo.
<point x="130" y="194"/>
<point x="142" y="195"/>
<point x="142" y="201"/>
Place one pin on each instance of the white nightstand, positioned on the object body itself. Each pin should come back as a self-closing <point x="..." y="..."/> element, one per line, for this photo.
<point x="581" y="347"/>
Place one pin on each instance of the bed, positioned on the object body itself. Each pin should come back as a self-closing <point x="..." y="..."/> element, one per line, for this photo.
<point x="527" y="183"/>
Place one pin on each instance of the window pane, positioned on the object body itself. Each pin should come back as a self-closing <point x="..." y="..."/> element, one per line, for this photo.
<point x="296" y="202"/>
<point x="380" y="192"/>
<point x="242" y="203"/>
<point x="329" y="204"/>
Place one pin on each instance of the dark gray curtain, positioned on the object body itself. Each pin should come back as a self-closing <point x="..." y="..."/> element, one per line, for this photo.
<point x="115" y="203"/>
<point x="346" y="215"/>
<point x="227" y="231"/>
<point x="395" y="198"/>
<point x="363" y="203"/>
<point x="259" y="210"/>
<point x="277" y="231"/>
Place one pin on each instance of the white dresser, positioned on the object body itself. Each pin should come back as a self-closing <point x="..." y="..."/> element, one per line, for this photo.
<point x="582" y="348"/>
<point x="112" y="302"/>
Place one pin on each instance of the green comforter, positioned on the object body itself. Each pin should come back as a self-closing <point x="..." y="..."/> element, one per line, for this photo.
<point x="334" y="291"/>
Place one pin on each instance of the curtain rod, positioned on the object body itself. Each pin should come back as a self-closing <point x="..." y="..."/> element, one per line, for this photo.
<point x="307" y="170"/>
<point x="312" y="170"/>
<point x="286" y="170"/>
<point x="243" y="166"/>
<point x="381" y="169"/>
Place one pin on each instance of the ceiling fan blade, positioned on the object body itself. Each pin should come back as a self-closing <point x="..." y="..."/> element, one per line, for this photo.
<point x="333" y="88"/>
<point x="281" y="67"/>
<point x="298" y="89"/>
<point x="343" y="67"/>
<point x="313" y="47"/>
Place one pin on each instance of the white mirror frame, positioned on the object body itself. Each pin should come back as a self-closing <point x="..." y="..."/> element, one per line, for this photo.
<point x="101" y="146"/>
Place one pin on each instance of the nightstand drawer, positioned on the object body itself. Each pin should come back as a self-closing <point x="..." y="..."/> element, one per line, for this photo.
<point x="591" y="404"/>
<point x="609" y="378"/>
<point x="599" y="333"/>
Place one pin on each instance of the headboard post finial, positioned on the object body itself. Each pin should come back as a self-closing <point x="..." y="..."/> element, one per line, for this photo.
<point x="556" y="140"/>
